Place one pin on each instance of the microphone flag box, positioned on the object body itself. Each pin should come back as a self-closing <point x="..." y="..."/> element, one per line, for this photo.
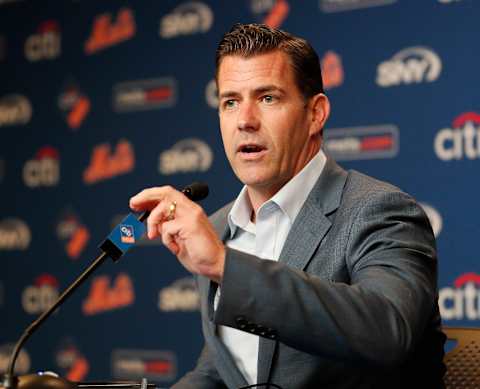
<point x="123" y="237"/>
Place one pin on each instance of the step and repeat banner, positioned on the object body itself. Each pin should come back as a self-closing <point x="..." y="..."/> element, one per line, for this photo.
<point x="100" y="99"/>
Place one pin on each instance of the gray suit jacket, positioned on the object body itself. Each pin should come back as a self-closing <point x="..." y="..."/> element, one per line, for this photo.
<point x="351" y="303"/>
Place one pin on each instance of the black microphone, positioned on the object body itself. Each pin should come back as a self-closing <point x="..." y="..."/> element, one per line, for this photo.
<point x="118" y="242"/>
<point x="196" y="191"/>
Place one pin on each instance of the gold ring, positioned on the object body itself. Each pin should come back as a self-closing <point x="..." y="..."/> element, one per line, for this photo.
<point x="171" y="210"/>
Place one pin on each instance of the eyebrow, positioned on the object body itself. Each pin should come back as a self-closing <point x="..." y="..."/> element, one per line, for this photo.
<point x="256" y="91"/>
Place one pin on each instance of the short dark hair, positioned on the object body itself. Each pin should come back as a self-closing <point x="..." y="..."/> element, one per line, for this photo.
<point x="248" y="40"/>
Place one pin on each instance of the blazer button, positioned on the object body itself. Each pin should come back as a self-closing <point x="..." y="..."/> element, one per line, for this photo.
<point x="262" y="330"/>
<point x="251" y="327"/>
<point x="271" y="334"/>
<point x="241" y="322"/>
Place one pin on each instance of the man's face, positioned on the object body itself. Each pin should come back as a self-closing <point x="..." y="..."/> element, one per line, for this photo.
<point x="265" y="121"/>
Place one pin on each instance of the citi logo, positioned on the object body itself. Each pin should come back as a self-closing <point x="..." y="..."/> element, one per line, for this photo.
<point x="40" y="296"/>
<point x="348" y="5"/>
<point x="14" y="234"/>
<point x="103" y="297"/>
<point x="463" y="300"/>
<point x="461" y="141"/>
<point x="369" y="142"/>
<point x="14" y="110"/>
<point x="274" y="11"/>
<point x="45" y="44"/>
<point x="43" y="169"/>
<point x="189" y="18"/>
<point x="182" y="295"/>
<point x="106" y="33"/>
<point x="412" y="65"/>
<point x="186" y="156"/>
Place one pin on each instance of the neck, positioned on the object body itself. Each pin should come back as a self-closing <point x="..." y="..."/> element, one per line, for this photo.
<point x="258" y="195"/>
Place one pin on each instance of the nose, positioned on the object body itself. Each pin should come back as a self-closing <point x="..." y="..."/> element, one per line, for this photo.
<point x="247" y="119"/>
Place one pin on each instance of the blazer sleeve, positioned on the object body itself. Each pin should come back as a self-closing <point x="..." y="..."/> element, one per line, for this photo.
<point x="203" y="376"/>
<point x="377" y="317"/>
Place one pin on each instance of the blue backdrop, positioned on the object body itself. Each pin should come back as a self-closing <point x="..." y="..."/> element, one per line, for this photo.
<point x="99" y="100"/>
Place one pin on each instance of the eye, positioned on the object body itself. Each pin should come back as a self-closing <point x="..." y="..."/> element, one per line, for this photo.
<point x="269" y="99"/>
<point x="229" y="104"/>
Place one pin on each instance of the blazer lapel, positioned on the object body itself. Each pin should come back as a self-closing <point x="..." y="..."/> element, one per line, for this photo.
<point x="312" y="222"/>
<point x="308" y="230"/>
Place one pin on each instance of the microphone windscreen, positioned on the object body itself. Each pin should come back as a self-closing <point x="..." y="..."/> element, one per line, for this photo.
<point x="196" y="191"/>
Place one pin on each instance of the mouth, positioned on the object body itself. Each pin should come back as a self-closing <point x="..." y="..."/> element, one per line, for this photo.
<point x="250" y="149"/>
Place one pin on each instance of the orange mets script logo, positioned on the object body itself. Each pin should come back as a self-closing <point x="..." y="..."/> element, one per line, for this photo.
<point x="104" y="298"/>
<point x="104" y="164"/>
<point x="277" y="14"/>
<point x="106" y="33"/>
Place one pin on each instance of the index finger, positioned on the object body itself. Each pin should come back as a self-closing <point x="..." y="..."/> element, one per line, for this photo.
<point x="148" y="198"/>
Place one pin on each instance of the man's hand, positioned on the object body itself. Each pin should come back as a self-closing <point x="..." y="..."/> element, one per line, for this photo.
<point x="185" y="230"/>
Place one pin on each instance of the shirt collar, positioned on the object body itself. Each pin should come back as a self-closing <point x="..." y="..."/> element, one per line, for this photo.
<point x="290" y="198"/>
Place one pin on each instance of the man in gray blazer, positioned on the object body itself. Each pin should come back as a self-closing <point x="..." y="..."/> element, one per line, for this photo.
<point x="313" y="277"/>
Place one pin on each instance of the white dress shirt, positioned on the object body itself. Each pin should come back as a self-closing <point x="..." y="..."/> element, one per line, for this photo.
<point x="265" y="240"/>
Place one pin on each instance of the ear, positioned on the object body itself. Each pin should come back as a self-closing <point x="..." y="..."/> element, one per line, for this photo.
<point x="319" y="112"/>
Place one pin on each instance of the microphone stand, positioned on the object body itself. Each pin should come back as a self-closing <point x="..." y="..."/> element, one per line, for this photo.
<point x="110" y="247"/>
<point x="34" y="381"/>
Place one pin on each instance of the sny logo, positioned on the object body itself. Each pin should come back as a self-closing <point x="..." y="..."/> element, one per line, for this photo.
<point x="186" y="156"/>
<point x="182" y="295"/>
<point x="14" y="234"/>
<point x="187" y="19"/>
<point x="14" y="110"/>
<point x="411" y="65"/>
<point x="127" y="234"/>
